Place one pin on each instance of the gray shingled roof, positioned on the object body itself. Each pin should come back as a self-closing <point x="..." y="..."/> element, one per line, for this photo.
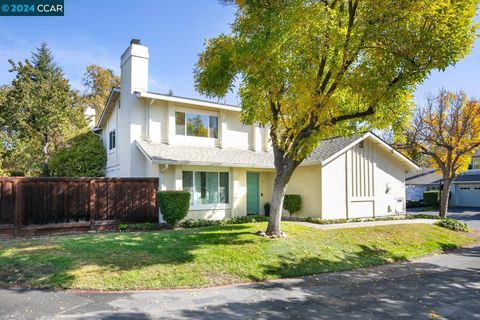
<point x="477" y="154"/>
<point x="468" y="177"/>
<point x="428" y="177"/>
<point x="423" y="177"/>
<point x="164" y="153"/>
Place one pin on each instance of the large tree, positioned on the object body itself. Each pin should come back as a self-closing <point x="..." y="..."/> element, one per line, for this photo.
<point x="98" y="83"/>
<point x="312" y="69"/>
<point x="81" y="156"/>
<point x="40" y="112"/>
<point x="447" y="131"/>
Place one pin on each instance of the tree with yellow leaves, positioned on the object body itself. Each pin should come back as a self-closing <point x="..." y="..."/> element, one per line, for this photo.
<point x="447" y="132"/>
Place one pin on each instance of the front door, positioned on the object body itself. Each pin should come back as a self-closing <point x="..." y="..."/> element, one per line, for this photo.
<point x="252" y="193"/>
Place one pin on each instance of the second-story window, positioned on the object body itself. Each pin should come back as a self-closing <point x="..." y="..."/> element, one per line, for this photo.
<point x="111" y="140"/>
<point x="196" y="125"/>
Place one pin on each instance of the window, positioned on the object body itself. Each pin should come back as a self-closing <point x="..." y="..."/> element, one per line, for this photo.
<point x="206" y="187"/>
<point x="111" y="140"/>
<point x="180" y="123"/>
<point x="196" y="125"/>
<point x="475" y="164"/>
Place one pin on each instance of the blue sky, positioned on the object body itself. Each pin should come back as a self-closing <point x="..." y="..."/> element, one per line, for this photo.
<point x="99" y="31"/>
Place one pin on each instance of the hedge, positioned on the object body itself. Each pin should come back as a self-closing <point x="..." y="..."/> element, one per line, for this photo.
<point x="173" y="205"/>
<point x="198" y="223"/>
<point x="292" y="203"/>
<point x="431" y="198"/>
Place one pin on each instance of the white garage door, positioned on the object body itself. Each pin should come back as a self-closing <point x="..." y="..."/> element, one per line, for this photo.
<point x="469" y="196"/>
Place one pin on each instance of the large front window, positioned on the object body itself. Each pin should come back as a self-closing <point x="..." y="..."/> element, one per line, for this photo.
<point x="206" y="187"/>
<point x="196" y="125"/>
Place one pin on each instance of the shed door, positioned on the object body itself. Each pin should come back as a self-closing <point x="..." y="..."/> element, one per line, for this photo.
<point x="469" y="195"/>
<point x="252" y="193"/>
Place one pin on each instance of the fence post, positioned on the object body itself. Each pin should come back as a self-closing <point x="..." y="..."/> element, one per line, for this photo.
<point x="93" y="206"/>
<point x="18" y="218"/>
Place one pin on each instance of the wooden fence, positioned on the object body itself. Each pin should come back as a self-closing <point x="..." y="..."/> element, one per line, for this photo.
<point x="40" y="205"/>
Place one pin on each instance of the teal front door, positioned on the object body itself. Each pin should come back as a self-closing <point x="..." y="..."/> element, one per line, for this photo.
<point x="253" y="189"/>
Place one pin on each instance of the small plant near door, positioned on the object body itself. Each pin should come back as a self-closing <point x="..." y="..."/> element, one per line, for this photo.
<point x="173" y="206"/>
<point x="292" y="203"/>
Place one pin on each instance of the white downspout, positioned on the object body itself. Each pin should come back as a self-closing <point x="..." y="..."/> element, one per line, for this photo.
<point x="161" y="185"/>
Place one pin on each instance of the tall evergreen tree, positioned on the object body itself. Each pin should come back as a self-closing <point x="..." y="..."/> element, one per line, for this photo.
<point x="40" y="112"/>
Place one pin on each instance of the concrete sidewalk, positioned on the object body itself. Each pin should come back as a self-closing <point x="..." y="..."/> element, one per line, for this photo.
<point x="364" y="224"/>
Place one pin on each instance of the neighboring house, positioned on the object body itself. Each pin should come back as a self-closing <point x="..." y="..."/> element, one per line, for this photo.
<point x="465" y="189"/>
<point x="202" y="147"/>
<point x="419" y="182"/>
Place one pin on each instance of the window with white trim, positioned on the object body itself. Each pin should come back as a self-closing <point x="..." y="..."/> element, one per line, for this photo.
<point x="196" y="125"/>
<point x="206" y="187"/>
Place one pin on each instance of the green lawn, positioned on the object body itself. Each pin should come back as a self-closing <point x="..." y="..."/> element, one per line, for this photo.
<point x="210" y="256"/>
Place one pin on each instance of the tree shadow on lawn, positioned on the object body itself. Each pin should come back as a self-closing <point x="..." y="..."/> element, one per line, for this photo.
<point x="406" y="291"/>
<point x="53" y="262"/>
<point x="41" y="262"/>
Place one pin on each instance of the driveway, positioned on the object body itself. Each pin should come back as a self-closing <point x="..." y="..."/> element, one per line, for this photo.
<point x="470" y="216"/>
<point x="445" y="286"/>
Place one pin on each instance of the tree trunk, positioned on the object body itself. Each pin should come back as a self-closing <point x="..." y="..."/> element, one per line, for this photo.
<point x="285" y="166"/>
<point x="444" y="197"/>
<point x="45" y="169"/>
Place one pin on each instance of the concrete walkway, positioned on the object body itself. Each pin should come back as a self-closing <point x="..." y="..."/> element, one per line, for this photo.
<point x="445" y="286"/>
<point x="364" y="224"/>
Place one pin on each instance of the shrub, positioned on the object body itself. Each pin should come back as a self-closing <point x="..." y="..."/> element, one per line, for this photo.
<point x="138" y="226"/>
<point x="82" y="156"/>
<point x="173" y="205"/>
<point x="422" y="216"/>
<point x="122" y="227"/>
<point x="453" y="224"/>
<point x="198" y="223"/>
<point x="431" y="198"/>
<point x="413" y="204"/>
<point x="292" y="203"/>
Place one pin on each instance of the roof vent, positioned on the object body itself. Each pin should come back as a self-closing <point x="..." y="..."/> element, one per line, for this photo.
<point x="135" y="41"/>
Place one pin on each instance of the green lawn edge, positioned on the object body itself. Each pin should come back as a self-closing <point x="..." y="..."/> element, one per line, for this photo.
<point x="211" y="256"/>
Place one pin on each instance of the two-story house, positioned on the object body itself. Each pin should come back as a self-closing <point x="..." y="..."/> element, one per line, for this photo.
<point x="203" y="148"/>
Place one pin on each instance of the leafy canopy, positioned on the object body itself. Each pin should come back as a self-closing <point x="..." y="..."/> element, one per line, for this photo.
<point x="312" y="69"/>
<point x="81" y="156"/>
<point x="447" y="131"/>
<point x="98" y="83"/>
<point x="38" y="112"/>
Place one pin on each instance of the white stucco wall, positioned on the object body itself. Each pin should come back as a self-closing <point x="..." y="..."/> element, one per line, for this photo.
<point x="334" y="190"/>
<point x="389" y="184"/>
<point x="363" y="182"/>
